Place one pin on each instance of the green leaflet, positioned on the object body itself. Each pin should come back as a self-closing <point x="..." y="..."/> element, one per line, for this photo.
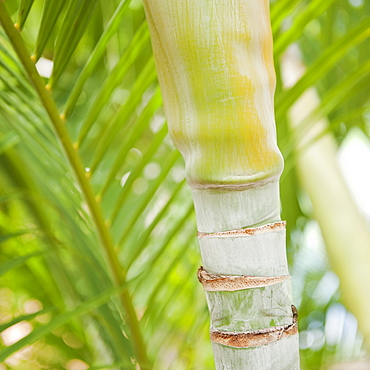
<point x="74" y="25"/>
<point x="23" y="12"/>
<point x="51" y="12"/>
<point x="96" y="55"/>
<point x="59" y="320"/>
<point x="8" y="141"/>
<point x="322" y="65"/>
<point x="4" y="268"/>
<point x="24" y="318"/>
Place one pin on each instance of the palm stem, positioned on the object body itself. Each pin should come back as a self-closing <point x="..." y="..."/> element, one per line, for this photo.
<point x="215" y="69"/>
<point x="58" y="124"/>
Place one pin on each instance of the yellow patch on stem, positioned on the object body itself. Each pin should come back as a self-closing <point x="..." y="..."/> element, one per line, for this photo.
<point x="217" y="78"/>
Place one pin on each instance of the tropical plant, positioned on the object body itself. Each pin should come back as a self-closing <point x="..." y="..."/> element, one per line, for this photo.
<point x="217" y="80"/>
<point x="97" y="226"/>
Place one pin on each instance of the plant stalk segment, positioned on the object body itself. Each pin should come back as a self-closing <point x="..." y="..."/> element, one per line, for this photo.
<point x="215" y="68"/>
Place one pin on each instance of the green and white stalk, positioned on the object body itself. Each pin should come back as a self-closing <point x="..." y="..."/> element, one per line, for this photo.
<point x="346" y="234"/>
<point x="215" y="68"/>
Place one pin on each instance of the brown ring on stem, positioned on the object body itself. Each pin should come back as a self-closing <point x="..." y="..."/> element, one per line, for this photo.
<point x="276" y="226"/>
<point x="256" y="337"/>
<point x="219" y="283"/>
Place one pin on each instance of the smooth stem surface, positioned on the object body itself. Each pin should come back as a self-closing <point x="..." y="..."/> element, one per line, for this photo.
<point x="74" y="160"/>
<point x="215" y="68"/>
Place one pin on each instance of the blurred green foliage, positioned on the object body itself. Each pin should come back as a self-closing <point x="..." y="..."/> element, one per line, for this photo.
<point x="56" y="289"/>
